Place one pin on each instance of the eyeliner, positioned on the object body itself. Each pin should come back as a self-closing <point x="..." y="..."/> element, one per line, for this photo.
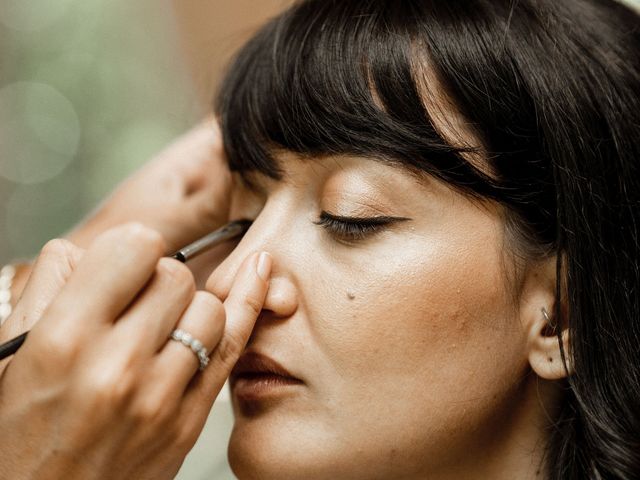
<point x="221" y="235"/>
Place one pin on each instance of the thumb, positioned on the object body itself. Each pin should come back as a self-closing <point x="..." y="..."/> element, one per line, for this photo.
<point x="194" y="157"/>
<point x="53" y="267"/>
<point x="208" y="178"/>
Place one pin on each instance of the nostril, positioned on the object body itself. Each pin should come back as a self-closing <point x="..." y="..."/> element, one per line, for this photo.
<point x="282" y="297"/>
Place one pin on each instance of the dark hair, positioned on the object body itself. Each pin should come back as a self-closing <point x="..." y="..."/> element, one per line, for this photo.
<point x="552" y="88"/>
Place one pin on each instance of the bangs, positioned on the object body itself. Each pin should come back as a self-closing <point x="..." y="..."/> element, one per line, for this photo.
<point x="339" y="78"/>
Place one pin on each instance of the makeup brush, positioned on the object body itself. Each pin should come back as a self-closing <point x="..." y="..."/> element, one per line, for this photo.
<point x="227" y="232"/>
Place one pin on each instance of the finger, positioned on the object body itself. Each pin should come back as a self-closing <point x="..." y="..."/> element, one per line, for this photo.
<point x="192" y="154"/>
<point x="204" y="264"/>
<point x="207" y="177"/>
<point x="206" y="156"/>
<point x="155" y="312"/>
<point x="196" y="166"/>
<point x="51" y="271"/>
<point x="204" y="321"/>
<point x="242" y="307"/>
<point x="111" y="273"/>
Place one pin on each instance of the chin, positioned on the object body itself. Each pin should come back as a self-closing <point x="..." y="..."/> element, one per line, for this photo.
<point x="272" y="448"/>
<point x="262" y="448"/>
<point x="269" y="447"/>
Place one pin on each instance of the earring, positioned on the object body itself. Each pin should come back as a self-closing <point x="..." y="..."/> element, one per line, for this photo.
<point x="550" y="322"/>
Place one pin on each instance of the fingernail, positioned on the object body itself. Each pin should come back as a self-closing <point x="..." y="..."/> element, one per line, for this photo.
<point x="264" y="266"/>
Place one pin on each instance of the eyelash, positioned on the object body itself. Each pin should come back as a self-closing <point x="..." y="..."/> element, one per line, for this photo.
<point x="353" y="228"/>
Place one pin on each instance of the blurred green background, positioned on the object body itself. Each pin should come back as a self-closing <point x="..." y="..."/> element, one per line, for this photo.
<point x="89" y="90"/>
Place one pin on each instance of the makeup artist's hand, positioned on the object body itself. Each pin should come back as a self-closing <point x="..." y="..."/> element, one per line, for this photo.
<point x="183" y="193"/>
<point x="97" y="391"/>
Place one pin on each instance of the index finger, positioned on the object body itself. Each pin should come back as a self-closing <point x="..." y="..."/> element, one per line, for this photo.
<point x="111" y="273"/>
<point x="53" y="267"/>
<point x="242" y="306"/>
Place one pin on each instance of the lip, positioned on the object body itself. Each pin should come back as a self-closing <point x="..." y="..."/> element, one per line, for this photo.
<point x="257" y="376"/>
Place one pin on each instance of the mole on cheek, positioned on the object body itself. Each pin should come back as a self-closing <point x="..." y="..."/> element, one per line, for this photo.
<point x="350" y="296"/>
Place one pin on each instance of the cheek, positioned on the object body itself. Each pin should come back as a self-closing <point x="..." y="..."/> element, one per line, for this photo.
<point x="450" y="302"/>
<point x="427" y="329"/>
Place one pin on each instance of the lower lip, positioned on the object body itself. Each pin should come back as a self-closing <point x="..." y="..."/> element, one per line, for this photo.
<point x="262" y="386"/>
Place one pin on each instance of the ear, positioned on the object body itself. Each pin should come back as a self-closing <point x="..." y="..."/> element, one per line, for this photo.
<point x="537" y="313"/>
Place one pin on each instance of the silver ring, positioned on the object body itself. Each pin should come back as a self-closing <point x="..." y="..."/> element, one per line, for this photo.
<point x="194" y="345"/>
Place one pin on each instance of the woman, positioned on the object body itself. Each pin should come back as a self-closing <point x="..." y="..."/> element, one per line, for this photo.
<point x="449" y="192"/>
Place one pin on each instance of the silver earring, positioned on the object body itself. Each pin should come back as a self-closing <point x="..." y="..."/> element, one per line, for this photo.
<point x="551" y="323"/>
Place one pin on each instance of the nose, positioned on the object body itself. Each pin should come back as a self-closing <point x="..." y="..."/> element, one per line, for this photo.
<point x="282" y="297"/>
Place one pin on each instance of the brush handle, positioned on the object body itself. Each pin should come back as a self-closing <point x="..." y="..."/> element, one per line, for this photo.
<point x="9" y="348"/>
<point x="227" y="232"/>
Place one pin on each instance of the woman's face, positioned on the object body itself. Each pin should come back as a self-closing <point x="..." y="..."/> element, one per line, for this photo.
<point x="406" y="339"/>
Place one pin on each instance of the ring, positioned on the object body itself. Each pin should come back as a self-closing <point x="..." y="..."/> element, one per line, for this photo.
<point x="194" y="344"/>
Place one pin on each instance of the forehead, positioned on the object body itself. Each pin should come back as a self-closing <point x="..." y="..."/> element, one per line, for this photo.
<point x="296" y="169"/>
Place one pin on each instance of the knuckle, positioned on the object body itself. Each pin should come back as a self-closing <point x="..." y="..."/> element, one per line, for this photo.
<point x="228" y="350"/>
<point x="216" y="285"/>
<point x="216" y="315"/>
<point x="211" y="303"/>
<point x="152" y="409"/>
<point x="109" y="386"/>
<point x="57" y="249"/>
<point x="211" y="213"/>
<point x="138" y="233"/>
<point x="57" y="344"/>
<point x="253" y="305"/>
<point x="175" y="275"/>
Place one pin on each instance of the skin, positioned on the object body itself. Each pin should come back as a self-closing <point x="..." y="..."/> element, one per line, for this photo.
<point x="127" y="402"/>
<point x="415" y="350"/>
<point x="182" y="193"/>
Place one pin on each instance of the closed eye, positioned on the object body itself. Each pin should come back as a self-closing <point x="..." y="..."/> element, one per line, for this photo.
<point x="355" y="228"/>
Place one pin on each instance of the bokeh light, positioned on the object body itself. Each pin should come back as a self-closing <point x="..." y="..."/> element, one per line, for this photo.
<point x="32" y="14"/>
<point x="40" y="132"/>
<point x="48" y="208"/>
<point x="86" y="96"/>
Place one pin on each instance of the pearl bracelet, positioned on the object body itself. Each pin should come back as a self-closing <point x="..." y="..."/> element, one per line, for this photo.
<point x="7" y="275"/>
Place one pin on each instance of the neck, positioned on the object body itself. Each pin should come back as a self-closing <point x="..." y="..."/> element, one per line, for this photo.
<point x="514" y="446"/>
